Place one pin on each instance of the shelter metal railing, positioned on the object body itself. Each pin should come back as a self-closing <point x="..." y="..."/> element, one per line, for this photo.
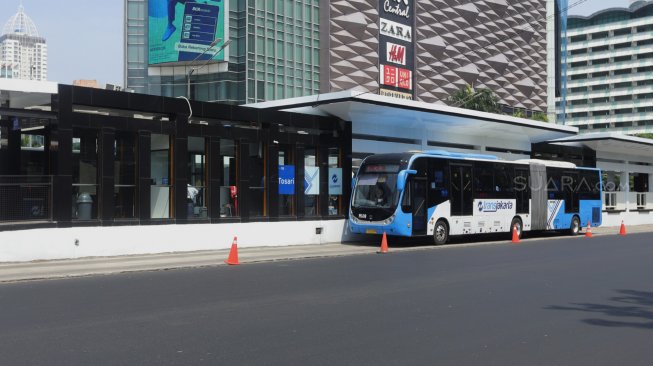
<point x="25" y="198"/>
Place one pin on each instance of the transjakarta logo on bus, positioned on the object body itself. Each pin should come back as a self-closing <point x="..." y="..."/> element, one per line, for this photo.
<point x="494" y="206"/>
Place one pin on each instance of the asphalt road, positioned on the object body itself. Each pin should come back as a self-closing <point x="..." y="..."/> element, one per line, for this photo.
<point x="569" y="301"/>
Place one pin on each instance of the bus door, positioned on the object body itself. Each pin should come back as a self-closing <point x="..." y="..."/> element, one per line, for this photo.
<point x="570" y="192"/>
<point x="418" y="204"/>
<point x="522" y="190"/>
<point x="461" y="190"/>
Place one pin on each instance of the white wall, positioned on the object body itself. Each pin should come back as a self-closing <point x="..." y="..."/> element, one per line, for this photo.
<point x="59" y="243"/>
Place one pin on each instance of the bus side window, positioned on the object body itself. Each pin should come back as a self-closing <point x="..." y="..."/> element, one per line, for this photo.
<point x="554" y="183"/>
<point x="484" y="180"/>
<point x="438" y="181"/>
<point x="503" y="181"/>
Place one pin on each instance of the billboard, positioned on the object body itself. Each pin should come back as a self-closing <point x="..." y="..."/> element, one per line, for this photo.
<point x="181" y="30"/>
<point x="396" y="48"/>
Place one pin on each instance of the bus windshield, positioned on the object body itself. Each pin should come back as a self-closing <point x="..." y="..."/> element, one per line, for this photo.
<point x="375" y="190"/>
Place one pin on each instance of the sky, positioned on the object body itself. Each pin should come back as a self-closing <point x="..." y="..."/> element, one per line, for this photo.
<point x="85" y="37"/>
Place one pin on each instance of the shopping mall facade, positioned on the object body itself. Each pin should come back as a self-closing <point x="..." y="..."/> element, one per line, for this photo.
<point x="423" y="50"/>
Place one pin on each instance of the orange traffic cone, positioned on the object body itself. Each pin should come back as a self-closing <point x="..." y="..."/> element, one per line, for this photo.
<point x="384" y="245"/>
<point x="515" y="235"/>
<point x="588" y="232"/>
<point x="622" y="231"/>
<point x="233" y="254"/>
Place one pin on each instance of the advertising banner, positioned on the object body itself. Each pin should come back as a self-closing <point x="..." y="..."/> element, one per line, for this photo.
<point x="181" y="30"/>
<point x="335" y="181"/>
<point x="396" y="48"/>
<point x="311" y="180"/>
<point x="287" y="180"/>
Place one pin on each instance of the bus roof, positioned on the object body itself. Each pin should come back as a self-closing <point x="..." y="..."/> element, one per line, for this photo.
<point x="548" y="163"/>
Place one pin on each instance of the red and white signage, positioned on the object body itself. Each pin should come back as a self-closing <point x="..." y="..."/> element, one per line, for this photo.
<point x="397" y="77"/>
<point x="396" y="53"/>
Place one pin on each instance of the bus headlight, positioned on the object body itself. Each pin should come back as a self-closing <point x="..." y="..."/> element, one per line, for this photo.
<point x="389" y="220"/>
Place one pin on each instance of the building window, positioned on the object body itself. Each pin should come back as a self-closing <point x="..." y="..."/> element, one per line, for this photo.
<point x="623" y="111"/>
<point x="622" y="32"/>
<point x="311" y="182"/>
<point x="256" y="174"/>
<point x="579" y="77"/>
<point x="599" y="35"/>
<point x="229" y="188"/>
<point x="623" y="72"/>
<point x="124" y="171"/>
<point x="196" y="194"/>
<point x="84" y="166"/>
<point x="579" y="102"/>
<point x="640" y="43"/>
<point x="582" y="89"/>
<point x="162" y="189"/>
<point x="335" y="182"/>
<point x="579" y="64"/>
<point x="287" y="180"/>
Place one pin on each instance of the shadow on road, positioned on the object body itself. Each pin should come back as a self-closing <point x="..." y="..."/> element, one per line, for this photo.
<point x="404" y="242"/>
<point x="630" y="304"/>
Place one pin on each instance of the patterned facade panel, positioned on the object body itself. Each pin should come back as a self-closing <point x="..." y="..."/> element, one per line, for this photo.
<point x="353" y="43"/>
<point x="495" y="44"/>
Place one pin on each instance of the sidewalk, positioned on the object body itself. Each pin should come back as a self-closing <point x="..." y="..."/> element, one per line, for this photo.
<point x="10" y="272"/>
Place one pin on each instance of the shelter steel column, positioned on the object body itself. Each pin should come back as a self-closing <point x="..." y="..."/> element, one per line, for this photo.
<point x="106" y="159"/>
<point x="625" y="185"/>
<point x="215" y="166"/>
<point x="62" y="142"/>
<point x="180" y="166"/>
<point x="144" y="176"/>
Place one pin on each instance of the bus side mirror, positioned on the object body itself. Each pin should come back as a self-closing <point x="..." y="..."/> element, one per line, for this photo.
<point x="402" y="177"/>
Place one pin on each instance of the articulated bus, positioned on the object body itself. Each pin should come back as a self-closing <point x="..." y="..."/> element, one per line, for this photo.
<point x="440" y="194"/>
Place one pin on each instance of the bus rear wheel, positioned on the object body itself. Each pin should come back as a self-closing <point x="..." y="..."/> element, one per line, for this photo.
<point x="441" y="232"/>
<point x="574" y="229"/>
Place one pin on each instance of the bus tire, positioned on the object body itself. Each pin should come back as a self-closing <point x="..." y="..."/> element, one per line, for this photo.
<point x="441" y="232"/>
<point x="516" y="221"/>
<point x="574" y="228"/>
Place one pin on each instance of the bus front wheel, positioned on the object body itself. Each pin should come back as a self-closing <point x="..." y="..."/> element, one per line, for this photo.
<point x="441" y="232"/>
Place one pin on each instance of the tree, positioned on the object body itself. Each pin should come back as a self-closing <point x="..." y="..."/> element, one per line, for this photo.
<point x="539" y="116"/>
<point x="479" y="100"/>
<point x="519" y="114"/>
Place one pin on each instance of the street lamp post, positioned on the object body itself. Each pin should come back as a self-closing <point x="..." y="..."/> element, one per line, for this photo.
<point x="193" y="69"/>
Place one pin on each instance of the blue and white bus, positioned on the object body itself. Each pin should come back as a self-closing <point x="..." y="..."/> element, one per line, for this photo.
<point x="440" y="193"/>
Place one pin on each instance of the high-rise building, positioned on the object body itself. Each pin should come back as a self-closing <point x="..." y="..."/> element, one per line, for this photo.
<point x="417" y="49"/>
<point x="610" y="70"/>
<point x="273" y="51"/>
<point x="23" y="53"/>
